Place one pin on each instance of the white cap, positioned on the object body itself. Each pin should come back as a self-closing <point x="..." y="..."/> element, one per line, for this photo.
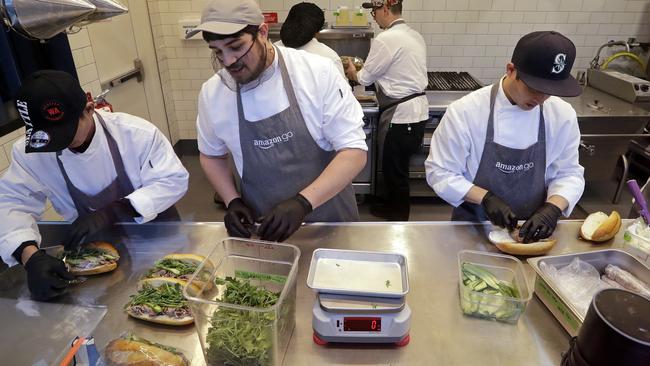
<point x="228" y="17"/>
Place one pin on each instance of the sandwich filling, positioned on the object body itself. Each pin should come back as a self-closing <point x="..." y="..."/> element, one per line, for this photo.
<point x="164" y="300"/>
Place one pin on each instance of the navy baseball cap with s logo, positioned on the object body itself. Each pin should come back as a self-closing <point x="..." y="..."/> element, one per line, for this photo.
<point x="50" y="103"/>
<point x="543" y="61"/>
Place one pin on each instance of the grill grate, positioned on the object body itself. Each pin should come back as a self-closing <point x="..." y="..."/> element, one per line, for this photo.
<point x="452" y="81"/>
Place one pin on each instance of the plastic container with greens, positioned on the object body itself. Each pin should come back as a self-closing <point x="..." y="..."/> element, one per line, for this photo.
<point x="245" y="313"/>
<point x="492" y="286"/>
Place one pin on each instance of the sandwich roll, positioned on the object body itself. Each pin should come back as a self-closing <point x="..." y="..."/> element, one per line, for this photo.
<point x="599" y="227"/>
<point x="510" y="242"/>
<point x="160" y="300"/>
<point x="182" y="266"/>
<point x="92" y="258"/>
<point x="132" y="351"/>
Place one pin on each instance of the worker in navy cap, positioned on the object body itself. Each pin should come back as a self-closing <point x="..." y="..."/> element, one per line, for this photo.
<point x="509" y="151"/>
<point x="96" y="167"/>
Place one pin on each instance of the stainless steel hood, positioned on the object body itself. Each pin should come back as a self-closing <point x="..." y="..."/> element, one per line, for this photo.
<point x="106" y="9"/>
<point x="43" y="19"/>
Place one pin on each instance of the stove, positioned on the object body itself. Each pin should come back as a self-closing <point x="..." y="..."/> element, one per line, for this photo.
<point x="452" y="81"/>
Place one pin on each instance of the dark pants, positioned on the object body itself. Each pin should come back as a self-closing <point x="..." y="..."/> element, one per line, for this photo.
<point x="402" y="141"/>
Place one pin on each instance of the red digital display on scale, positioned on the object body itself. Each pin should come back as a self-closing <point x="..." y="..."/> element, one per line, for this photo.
<point x="359" y="324"/>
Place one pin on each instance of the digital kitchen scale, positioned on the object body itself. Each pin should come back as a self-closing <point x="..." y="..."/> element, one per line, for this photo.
<point x="358" y="319"/>
<point x="361" y="297"/>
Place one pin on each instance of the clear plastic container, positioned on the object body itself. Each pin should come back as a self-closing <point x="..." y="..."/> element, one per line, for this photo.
<point x="237" y="334"/>
<point x="505" y="269"/>
<point x="636" y="240"/>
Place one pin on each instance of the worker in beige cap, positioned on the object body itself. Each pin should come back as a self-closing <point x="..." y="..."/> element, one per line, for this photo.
<point x="296" y="138"/>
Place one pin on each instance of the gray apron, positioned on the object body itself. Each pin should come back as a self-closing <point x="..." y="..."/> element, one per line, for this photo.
<point x="280" y="158"/>
<point x="119" y="188"/>
<point x="515" y="175"/>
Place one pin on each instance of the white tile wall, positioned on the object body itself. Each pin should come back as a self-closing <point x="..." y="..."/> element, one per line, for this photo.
<point x="470" y="35"/>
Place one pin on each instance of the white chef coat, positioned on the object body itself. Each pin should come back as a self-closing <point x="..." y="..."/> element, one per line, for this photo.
<point x="457" y="144"/>
<point x="398" y="63"/>
<point x="317" y="48"/>
<point x="333" y="116"/>
<point x="157" y="175"/>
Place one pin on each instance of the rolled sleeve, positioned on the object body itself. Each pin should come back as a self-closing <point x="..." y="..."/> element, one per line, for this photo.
<point x="208" y="142"/>
<point x="376" y="63"/>
<point x="446" y="164"/>
<point x="342" y="114"/>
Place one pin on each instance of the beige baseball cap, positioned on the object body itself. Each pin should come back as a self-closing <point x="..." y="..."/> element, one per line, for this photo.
<point x="228" y="16"/>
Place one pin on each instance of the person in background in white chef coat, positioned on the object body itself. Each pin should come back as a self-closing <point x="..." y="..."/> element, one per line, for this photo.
<point x="299" y="31"/>
<point x="397" y="63"/>
<point x="95" y="167"/>
<point x="509" y="151"/>
<point x="287" y="118"/>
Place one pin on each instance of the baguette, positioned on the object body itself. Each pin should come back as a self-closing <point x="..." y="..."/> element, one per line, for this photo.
<point x="511" y="243"/>
<point x="133" y="351"/>
<point x="146" y="308"/>
<point x="80" y="267"/>
<point x="182" y="266"/>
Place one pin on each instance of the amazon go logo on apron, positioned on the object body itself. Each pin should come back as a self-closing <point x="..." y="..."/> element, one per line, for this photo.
<point x="269" y="143"/>
<point x="509" y="169"/>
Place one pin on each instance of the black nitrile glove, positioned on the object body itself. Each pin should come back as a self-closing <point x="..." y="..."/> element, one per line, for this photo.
<point x="47" y="276"/>
<point x="238" y="219"/>
<point x="97" y="221"/>
<point x="541" y="224"/>
<point x="498" y="211"/>
<point x="285" y="218"/>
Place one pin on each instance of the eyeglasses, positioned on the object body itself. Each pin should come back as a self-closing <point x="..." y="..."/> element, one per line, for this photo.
<point x="373" y="12"/>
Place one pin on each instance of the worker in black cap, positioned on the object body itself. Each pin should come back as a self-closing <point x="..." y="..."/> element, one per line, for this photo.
<point x="509" y="151"/>
<point x="95" y="167"/>
<point x="300" y="28"/>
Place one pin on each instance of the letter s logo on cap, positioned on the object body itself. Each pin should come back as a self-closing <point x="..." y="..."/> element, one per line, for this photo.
<point x="52" y="111"/>
<point x="560" y="62"/>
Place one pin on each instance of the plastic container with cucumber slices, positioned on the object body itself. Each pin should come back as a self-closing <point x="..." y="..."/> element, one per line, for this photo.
<point x="492" y="286"/>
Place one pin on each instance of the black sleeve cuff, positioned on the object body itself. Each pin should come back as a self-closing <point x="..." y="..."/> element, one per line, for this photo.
<point x="17" y="254"/>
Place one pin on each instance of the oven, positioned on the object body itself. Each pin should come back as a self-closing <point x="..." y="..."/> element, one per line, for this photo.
<point x="364" y="182"/>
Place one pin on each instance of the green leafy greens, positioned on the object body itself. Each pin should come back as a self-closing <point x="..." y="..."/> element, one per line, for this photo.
<point x="166" y="295"/>
<point x="175" y="266"/>
<point x="94" y="255"/>
<point x="242" y="337"/>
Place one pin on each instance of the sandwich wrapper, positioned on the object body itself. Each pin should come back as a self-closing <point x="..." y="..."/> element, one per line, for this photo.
<point x="40" y="333"/>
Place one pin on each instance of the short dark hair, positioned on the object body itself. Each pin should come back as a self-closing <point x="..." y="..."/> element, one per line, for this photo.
<point x="249" y="29"/>
<point x="396" y="9"/>
<point x="303" y="22"/>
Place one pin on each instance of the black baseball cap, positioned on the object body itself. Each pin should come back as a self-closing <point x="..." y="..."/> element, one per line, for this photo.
<point x="544" y="60"/>
<point x="50" y="103"/>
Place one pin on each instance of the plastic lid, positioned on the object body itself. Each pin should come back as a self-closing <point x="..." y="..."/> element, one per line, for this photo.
<point x="625" y="312"/>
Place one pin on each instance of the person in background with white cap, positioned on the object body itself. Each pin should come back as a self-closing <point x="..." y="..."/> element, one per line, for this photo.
<point x="296" y="137"/>
<point x="509" y="151"/>
<point x="95" y="167"/>
<point x="299" y="31"/>
<point x="397" y="64"/>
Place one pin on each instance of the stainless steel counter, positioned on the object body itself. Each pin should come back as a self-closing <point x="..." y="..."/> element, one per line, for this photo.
<point x="440" y="334"/>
